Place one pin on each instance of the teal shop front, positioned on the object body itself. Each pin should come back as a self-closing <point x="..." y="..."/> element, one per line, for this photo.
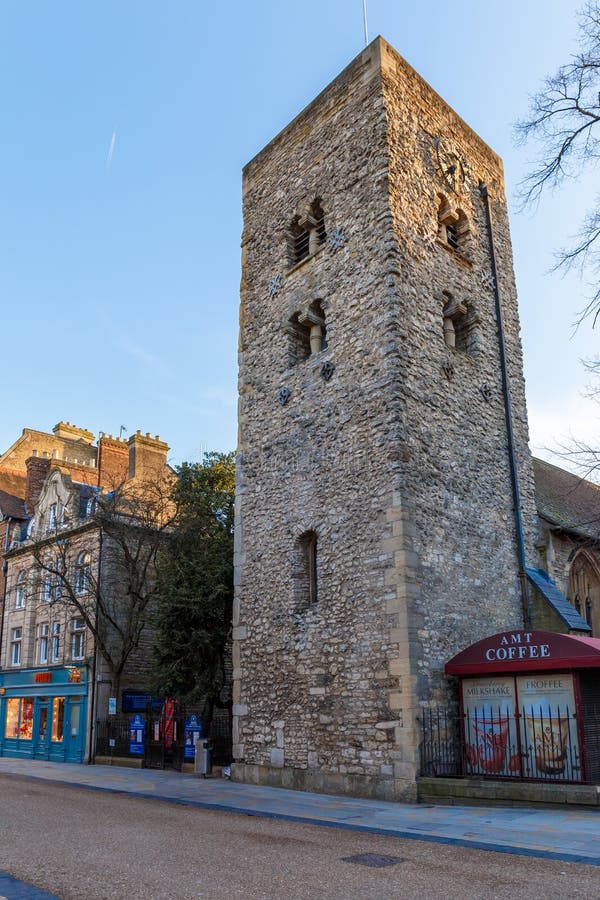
<point x="43" y="715"/>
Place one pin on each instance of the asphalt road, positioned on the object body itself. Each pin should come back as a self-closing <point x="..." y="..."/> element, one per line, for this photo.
<point x="88" y="845"/>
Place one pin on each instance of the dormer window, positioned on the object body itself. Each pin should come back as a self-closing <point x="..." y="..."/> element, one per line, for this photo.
<point x="307" y="233"/>
<point x="53" y="516"/>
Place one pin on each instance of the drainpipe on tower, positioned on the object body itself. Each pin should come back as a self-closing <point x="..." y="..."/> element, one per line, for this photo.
<point x="514" y="477"/>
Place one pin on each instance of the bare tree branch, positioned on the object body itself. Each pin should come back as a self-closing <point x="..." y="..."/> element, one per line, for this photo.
<point x="563" y="120"/>
<point x="104" y="569"/>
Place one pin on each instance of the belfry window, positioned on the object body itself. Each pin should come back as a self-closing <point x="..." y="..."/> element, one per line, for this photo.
<point x="453" y="226"/>
<point x="307" y="233"/>
<point x="456" y="324"/>
<point x="307" y="333"/>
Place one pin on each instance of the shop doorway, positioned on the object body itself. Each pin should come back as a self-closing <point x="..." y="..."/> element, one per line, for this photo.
<point x="41" y="730"/>
<point x="72" y="731"/>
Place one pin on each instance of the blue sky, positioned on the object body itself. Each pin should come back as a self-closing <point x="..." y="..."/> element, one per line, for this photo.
<point x="119" y="258"/>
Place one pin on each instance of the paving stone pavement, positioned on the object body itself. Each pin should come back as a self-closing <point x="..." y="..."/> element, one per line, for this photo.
<point x="12" y="889"/>
<point x="572" y="835"/>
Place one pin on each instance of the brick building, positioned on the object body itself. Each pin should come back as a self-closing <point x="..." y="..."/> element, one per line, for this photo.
<point x="382" y="432"/>
<point x="64" y="574"/>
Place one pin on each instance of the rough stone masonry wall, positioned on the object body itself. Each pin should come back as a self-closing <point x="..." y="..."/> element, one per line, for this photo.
<point x="453" y="466"/>
<point x="312" y="687"/>
<point x="400" y="470"/>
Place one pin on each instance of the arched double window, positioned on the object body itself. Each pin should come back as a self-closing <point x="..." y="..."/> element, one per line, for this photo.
<point x="307" y="233"/>
<point x="453" y="226"/>
<point x="82" y="573"/>
<point x="307" y="333"/>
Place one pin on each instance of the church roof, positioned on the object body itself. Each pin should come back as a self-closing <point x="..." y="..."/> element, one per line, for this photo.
<point x="566" y="500"/>
<point x="557" y="600"/>
<point x="13" y="482"/>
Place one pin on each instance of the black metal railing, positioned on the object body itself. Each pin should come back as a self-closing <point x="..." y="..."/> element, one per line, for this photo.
<point x="539" y="744"/>
<point x="163" y="741"/>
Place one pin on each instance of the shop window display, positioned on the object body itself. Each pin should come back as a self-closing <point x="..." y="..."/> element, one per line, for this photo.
<point x="19" y="718"/>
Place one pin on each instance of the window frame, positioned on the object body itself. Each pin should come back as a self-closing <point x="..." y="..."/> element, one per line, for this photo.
<point x="16" y="646"/>
<point x="21" y="592"/>
<point x="78" y="638"/>
<point x="48" y="589"/>
<point x="83" y="571"/>
<point x="43" y="631"/>
<point x="55" y="642"/>
<point x="53" y="516"/>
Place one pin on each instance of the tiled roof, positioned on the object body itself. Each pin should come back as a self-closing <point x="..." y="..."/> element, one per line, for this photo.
<point x="566" y="500"/>
<point x="13" y="482"/>
<point x="11" y="506"/>
<point x="557" y="600"/>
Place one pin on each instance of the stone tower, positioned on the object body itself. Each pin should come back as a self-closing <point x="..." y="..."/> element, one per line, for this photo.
<point x="375" y="530"/>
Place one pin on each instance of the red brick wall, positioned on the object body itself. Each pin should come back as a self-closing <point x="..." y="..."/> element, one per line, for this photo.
<point x="37" y="471"/>
<point x="113" y="462"/>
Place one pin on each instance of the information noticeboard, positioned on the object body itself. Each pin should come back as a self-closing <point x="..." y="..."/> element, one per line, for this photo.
<point x="137" y="733"/>
<point x="193" y="731"/>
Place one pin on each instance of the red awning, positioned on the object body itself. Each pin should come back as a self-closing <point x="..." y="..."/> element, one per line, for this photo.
<point x="526" y="651"/>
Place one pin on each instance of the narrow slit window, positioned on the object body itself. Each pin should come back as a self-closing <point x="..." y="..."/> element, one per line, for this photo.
<point x="306" y="581"/>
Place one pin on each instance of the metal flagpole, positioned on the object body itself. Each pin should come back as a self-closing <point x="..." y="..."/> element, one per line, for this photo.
<point x="365" y="23"/>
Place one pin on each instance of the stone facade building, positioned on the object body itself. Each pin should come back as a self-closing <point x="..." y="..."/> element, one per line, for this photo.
<point x="67" y="590"/>
<point x="375" y="531"/>
<point x="569" y="511"/>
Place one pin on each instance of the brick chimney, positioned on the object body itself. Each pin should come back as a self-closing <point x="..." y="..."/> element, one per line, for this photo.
<point x="37" y="472"/>
<point x="113" y="462"/>
<point x="147" y="455"/>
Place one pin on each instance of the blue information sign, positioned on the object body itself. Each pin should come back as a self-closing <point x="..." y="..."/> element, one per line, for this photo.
<point x="137" y="732"/>
<point x="193" y="731"/>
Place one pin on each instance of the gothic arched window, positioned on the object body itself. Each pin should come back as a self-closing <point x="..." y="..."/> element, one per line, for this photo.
<point x="584" y="589"/>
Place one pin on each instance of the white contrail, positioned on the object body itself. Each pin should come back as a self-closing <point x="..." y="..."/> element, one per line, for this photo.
<point x="111" y="149"/>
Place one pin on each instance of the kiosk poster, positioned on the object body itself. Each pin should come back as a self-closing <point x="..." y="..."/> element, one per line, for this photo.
<point x="137" y="734"/>
<point x="549" y="737"/>
<point x="491" y="743"/>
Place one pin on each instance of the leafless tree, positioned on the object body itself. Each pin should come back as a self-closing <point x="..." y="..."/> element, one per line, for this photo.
<point x="562" y="121"/>
<point x="103" y="568"/>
